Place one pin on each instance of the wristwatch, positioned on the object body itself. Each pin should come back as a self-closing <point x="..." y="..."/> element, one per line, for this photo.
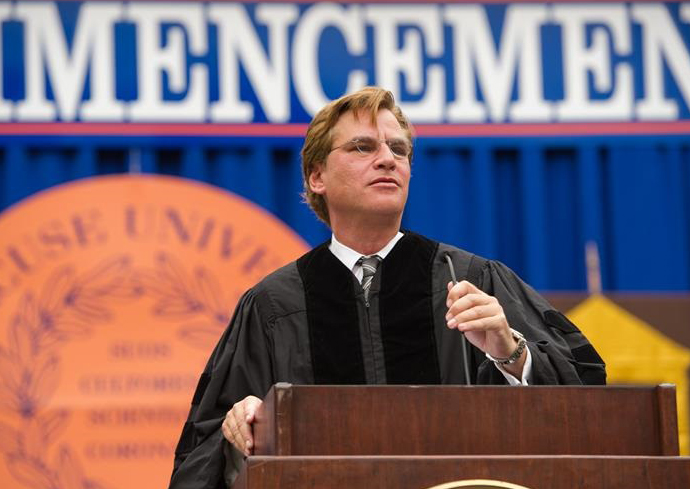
<point x="521" y="345"/>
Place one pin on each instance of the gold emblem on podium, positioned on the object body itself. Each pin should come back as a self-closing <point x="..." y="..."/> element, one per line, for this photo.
<point x="478" y="484"/>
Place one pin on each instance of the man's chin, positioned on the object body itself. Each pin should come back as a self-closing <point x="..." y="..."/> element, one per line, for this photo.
<point x="386" y="208"/>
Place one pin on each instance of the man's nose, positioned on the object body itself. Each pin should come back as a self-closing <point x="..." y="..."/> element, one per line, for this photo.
<point x="385" y="157"/>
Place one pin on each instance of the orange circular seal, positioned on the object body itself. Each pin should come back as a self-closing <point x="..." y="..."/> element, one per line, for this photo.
<point x="113" y="291"/>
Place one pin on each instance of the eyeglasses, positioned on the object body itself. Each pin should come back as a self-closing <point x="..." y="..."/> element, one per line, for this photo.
<point x="364" y="146"/>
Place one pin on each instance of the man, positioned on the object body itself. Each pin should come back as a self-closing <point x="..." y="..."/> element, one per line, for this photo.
<point x="374" y="305"/>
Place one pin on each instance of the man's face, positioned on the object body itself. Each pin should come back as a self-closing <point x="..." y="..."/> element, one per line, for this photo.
<point x="371" y="183"/>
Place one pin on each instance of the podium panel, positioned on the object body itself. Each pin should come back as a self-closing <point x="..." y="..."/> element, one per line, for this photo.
<point x="537" y="472"/>
<point x="467" y="420"/>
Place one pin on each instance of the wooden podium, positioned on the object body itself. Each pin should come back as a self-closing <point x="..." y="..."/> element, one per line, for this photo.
<point x="418" y="437"/>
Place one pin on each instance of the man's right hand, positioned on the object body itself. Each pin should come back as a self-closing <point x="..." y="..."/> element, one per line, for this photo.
<point x="237" y="426"/>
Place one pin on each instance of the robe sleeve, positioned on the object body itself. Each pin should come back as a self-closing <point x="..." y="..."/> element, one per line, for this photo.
<point x="560" y="352"/>
<point x="239" y="366"/>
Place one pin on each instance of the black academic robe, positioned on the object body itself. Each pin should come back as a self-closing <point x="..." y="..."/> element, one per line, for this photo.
<point x="308" y="323"/>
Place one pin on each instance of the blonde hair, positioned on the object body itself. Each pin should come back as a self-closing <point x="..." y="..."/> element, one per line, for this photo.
<point x="319" y="139"/>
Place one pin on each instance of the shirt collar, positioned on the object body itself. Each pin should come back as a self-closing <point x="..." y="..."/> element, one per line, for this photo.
<point x="349" y="257"/>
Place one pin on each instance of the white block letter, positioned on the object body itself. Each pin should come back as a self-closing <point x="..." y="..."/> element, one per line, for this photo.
<point x="580" y="61"/>
<point x="5" y="107"/>
<point x="305" y="50"/>
<point x="268" y="75"/>
<point x="407" y="60"/>
<point x="520" y="49"/>
<point x="46" y="47"/>
<point x="153" y="60"/>
<point x="661" y="41"/>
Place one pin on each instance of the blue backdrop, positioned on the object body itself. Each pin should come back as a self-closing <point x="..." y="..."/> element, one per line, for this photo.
<point x="530" y="202"/>
<point x="459" y="68"/>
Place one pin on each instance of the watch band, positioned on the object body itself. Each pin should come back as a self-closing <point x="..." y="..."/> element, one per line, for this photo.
<point x="521" y="345"/>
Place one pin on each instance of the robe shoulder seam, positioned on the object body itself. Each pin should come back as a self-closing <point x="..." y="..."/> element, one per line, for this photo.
<point x="278" y="293"/>
<point x="274" y="318"/>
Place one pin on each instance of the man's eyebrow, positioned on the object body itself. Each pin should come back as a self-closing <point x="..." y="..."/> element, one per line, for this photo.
<point x="394" y="138"/>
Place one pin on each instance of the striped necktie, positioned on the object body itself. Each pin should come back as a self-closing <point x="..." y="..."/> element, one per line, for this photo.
<point x="369" y="266"/>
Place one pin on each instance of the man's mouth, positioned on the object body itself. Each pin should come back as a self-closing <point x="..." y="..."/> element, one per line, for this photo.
<point x="385" y="180"/>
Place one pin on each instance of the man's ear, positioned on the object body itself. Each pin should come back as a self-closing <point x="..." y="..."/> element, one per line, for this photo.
<point x="316" y="183"/>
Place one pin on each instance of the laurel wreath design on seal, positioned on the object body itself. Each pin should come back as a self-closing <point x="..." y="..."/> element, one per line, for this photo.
<point x="69" y="306"/>
<point x="195" y="298"/>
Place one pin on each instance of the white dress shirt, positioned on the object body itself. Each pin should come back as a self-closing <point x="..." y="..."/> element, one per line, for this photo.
<point x="350" y="258"/>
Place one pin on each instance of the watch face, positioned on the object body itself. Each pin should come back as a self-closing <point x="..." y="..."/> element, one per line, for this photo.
<point x="521" y="344"/>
